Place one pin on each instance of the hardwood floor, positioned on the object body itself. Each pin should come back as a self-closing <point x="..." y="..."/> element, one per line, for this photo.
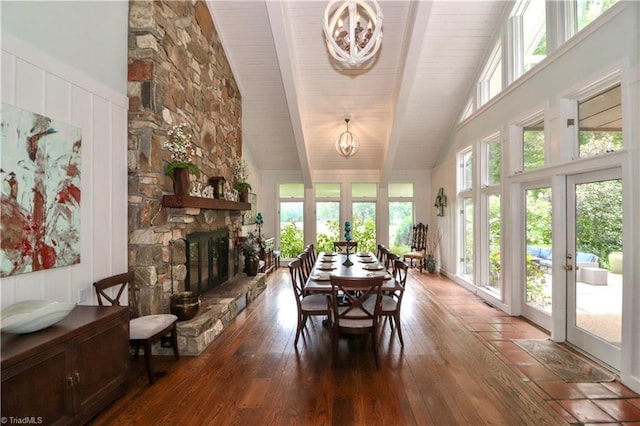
<point x="252" y="374"/>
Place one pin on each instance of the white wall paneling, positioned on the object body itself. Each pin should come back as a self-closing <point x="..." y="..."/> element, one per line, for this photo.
<point x="36" y="82"/>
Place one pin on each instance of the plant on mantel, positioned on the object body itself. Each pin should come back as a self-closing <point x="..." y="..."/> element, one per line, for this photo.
<point x="179" y="145"/>
<point x="240" y="176"/>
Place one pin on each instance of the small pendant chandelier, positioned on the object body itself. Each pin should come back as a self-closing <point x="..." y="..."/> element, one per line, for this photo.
<point x="347" y="144"/>
<point x="353" y="30"/>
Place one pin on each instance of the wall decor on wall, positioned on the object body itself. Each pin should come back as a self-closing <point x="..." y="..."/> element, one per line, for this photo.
<point x="441" y="202"/>
<point x="40" y="196"/>
<point x="250" y="216"/>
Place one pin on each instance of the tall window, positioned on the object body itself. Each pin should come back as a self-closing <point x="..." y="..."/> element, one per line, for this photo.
<point x="291" y="219"/>
<point x="529" y="35"/>
<point x="491" y="81"/>
<point x="533" y="145"/>
<point x="586" y="11"/>
<point x="491" y="235"/>
<point x="600" y="119"/>
<point x="468" y="110"/>
<point x="327" y="215"/>
<point x="465" y="197"/>
<point x="400" y="217"/>
<point x="364" y="215"/>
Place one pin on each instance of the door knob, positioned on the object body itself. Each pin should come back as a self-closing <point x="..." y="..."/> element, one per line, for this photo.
<point x="568" y="267"/>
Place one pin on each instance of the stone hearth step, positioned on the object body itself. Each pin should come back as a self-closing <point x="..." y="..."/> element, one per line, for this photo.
<point x="218" y="309"/>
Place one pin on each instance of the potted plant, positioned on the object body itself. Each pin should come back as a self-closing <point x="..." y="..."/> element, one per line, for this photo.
<point x="431" y="246"/>
<point x="179" y="145"/>
<point x="240" y="177"/>
<point x="251" y="246"/>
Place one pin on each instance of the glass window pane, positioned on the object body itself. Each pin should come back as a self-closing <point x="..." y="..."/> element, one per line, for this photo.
<point x="495" y="81"/>
<point x="400" y="226"/>
<point x="400" y="190"/>
<point x="291" y="228"/>
<point x="599" y="232"/>
<point x="467" y="170"/>
<point x="600" y="120"/>
<point x="361" y="190"/>
<point x="363" y="226"/>
<point x="467" y="238"/>
<point x="588" y="10"/>
<point x="493" y="162"/>
<point x="538" y="254"/>
<point x="291" y="190"/>
<point x="327" y="224"/>
<point x="495" y="266"/>
<point x="534" y="34"/>
<point x="533" y="146"/>
<point x="327" y="190"/>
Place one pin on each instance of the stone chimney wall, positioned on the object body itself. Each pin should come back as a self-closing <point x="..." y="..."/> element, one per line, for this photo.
<point x="178" y="73"/>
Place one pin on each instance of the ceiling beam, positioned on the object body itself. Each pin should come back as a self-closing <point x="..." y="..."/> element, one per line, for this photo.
<point x="280" y="30"/>
<point x="415" y="34"/>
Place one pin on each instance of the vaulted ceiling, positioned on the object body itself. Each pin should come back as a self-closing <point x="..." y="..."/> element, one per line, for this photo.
<point x="403" y="103"/>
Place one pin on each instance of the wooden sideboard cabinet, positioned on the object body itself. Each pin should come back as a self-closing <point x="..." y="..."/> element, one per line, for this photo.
<point x="69" y="372"/>
<point x="269" y="256"/>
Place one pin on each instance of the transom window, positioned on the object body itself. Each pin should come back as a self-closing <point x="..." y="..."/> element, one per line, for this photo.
<point x="600" y="119"/>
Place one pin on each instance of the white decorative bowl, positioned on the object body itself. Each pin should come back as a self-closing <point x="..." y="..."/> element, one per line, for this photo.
<point x="33" y="315"/>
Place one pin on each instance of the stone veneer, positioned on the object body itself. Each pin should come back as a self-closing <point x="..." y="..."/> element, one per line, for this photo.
<point x="178" y="73"/>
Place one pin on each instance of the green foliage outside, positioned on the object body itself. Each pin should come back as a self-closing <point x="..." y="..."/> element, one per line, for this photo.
<point x="538" y="232"/>
<point x="291" y="241"/>
<point x="589" y="10"/>
<point x="324" y="241"/>
<point x="364" y="226"/>
<point x="537" y="293"/>
<point x="402" y="242"/>
<point x="533" y="149"/>
<point x="364" y="232"/>
<point x="599" y="219"/>
<point x="594" y="143"/>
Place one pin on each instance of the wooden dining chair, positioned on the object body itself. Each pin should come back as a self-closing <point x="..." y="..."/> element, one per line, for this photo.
<point x="312" y="252"/>
<point x="391" y="302"/>
<point x="143" y="330"/>
<point x="308" y="305"/>
<point x="306" y="264"/>
<point x="390" y="262"/>
<point x="341" y="246"/>
<point x="418" y="245"/>
<point x="350" y="314"/>
<point x="381" y="253"/>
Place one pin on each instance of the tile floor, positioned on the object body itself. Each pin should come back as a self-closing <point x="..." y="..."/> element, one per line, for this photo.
<point x="577" y="403"/>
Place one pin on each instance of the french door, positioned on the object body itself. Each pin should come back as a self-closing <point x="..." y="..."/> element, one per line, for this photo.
<point x="593" y="264"/>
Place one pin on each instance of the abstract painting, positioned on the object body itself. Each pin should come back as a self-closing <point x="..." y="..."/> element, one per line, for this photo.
<point x="40" y="198"/>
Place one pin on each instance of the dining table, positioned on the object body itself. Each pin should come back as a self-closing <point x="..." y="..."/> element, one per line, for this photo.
<point x="364" y="264"/>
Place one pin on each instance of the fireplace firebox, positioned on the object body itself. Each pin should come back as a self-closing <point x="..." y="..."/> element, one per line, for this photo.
<point x="207" y="260"/>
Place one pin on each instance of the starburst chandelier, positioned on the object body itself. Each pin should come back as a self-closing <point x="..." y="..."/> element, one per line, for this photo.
<point x="353" y="30"/>
<point x="347" y="144"/>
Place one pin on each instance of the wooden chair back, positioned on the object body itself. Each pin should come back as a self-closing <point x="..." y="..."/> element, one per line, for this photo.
<point x="305" y="264"/>
<point x="419" y="237"/>
<point x="121" y="282"/>
<point x="312" y="252"/>
<point x="341" y="246"/>
<point x="389" y="263"/>
<point x="400" y="269"/>
<point x="355" y="291"/>
<point x="297" y="279"/>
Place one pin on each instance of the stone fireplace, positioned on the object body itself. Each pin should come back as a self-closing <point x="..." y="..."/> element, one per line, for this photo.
<point x="178" y="73"/>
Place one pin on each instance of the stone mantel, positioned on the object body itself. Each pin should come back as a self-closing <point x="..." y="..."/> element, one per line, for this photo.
<point x="202" y="203"/>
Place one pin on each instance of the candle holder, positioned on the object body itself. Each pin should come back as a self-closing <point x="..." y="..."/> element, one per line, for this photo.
<point x="259" y="222"/>
<point x="347" y="237"/>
